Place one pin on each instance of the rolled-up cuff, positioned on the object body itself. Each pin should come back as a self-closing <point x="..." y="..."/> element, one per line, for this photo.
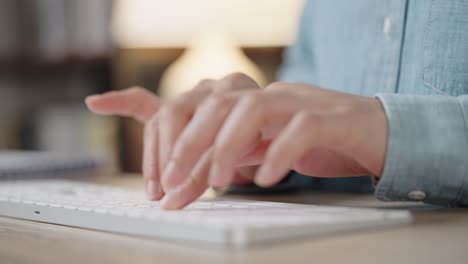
<point x="427" y="150"/>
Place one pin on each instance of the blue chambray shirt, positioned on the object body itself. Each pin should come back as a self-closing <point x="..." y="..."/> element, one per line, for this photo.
<point x="412" y="55"/>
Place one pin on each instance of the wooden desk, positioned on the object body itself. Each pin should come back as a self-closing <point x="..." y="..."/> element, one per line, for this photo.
<point x="437" y="236"/>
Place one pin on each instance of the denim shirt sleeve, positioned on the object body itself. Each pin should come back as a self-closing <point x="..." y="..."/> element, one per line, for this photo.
<point x="427" y="149"/>
<point x="298" y="57"/>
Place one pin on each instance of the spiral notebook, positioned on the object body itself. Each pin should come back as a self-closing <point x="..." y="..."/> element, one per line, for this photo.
<point x="15" y="165"/>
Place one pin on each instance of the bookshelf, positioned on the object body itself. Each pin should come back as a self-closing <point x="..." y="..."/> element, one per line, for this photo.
<point x="33" y="63"/>
<point x="53" y="53"/>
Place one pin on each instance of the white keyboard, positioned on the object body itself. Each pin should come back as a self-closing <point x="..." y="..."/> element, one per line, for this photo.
<point x="227" y="223"/>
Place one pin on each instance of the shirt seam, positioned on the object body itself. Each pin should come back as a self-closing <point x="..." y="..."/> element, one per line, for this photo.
<point x="434" y="88"/>
<point x="402" y="44"/>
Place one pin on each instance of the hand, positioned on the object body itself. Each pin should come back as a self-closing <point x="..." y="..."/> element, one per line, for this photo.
<point x="301" y="127"/>
<point x="163" y="124"/>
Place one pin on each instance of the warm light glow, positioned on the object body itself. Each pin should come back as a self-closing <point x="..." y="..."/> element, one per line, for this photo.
<point x="174" y="23"/>
<point x="209" y="56"/>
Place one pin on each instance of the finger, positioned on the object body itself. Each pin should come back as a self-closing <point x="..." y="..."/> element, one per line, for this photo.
<point x="239" y="133"/>
<point x="247" y="165"/>
<point x="192" y="188"/>
<point x="174" y="117"/>
<point x="196" y="138"/>
<point x="200" y="132"/>
<point x="306" y="131"/>
<point x="134" y="102"/>
<point x="197" y="183"/>
<point x="150" y="165"/>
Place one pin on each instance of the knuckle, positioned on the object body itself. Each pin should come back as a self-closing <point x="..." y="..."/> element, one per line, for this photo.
<point x="217" y="100"/>
<point x="236" y="77"/>
<point x="172" y="110"/>
<point x="253" y="99"/>
<point x="136" y="90"/>
<point x="187" y="100"/>
<point x="276" y="86"/>
<point x="204" y="83"/>
<point x="166" y="112"/>
<point x="180" y="104"/>
<point x="238" y="80"/>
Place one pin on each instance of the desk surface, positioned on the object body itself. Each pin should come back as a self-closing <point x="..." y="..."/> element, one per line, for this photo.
<point x="437" y="236"/>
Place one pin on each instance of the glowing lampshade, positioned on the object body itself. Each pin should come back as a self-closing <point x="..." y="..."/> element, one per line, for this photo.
<point x="213" y="31"/>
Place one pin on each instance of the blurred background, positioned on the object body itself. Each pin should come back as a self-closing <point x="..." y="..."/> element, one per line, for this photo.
<point x="53" y="53"/>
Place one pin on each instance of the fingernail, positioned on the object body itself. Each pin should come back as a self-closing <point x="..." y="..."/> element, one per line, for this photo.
<point x="153" y="189"/>
<point x="166" y="202"/>
<point x="91" y="97"/>
<point x="264" y="173"/>
<point x="170" y="201"/>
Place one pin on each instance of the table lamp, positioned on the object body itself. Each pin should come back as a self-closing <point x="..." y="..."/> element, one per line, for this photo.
<point x="212" y="31"/>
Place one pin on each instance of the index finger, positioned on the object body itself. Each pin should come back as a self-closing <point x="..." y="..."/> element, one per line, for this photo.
<point x="135" y="102"/>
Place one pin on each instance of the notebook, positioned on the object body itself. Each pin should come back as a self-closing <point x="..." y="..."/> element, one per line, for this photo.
<point x="15" y="165"/>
